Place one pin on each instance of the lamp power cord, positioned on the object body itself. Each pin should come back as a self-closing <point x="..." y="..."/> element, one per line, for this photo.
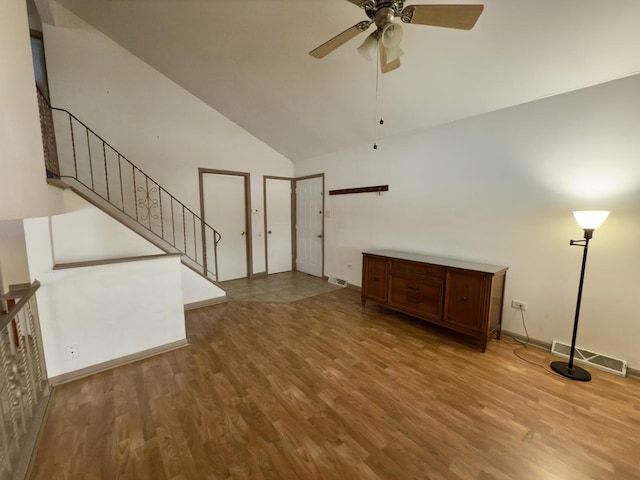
<point x="523" y="345"/>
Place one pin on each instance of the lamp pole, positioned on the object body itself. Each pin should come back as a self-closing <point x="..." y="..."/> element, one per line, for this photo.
<point x="569" y="369"/>
<point x="589" y="221"/>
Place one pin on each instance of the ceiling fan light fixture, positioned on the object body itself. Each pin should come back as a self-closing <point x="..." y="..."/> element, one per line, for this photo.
<point x="388" y="35"/>
<point x="394" y="54"/>
<point x="368" y="48"/>
<point x="391" y="36"/>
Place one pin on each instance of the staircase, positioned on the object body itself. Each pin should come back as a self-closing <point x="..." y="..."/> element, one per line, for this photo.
<point x="96" y="171"/>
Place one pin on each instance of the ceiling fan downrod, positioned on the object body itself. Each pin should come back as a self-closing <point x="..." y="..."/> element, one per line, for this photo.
<point x="385" y="11"/>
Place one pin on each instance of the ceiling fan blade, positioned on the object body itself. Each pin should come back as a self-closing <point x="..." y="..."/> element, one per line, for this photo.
<point x="329" y="46"/>
<point x="463" y="17"/>
<point x="384" y="66"/>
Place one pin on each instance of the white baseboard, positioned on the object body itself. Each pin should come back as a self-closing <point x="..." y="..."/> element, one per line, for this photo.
<point x="116" y="362"/>
<point x="205" y="303"/>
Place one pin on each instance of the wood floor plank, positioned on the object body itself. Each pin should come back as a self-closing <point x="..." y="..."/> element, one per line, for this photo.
<point x="325" y="389"/>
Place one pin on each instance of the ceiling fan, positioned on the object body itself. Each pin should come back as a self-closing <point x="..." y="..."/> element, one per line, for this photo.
<point x="388" y="34"/>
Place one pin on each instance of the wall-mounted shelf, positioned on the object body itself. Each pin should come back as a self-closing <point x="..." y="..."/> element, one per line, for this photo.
<point x="345" y="191"/>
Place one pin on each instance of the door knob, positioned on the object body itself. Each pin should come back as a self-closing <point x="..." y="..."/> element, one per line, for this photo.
<point x="319" y="236"/>
<point x="269" y="232"/>
<point x="243" y="233"/>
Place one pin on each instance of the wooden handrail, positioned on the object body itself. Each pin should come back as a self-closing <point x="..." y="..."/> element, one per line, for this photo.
<point x="11" y="314"/>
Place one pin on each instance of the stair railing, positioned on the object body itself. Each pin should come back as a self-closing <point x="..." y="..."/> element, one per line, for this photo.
<point x="23" y="383"/>
<point x="100" y="168"/>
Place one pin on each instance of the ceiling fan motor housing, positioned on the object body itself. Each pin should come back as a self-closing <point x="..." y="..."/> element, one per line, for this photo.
<point x="382" y="12"/>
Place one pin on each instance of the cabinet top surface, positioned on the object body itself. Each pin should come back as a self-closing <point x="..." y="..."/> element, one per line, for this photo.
<point x="441" y="261"/>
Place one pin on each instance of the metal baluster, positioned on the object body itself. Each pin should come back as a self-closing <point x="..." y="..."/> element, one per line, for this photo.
<point x="195" y="237"/>
<point x="73" y="147"/>
<point x="203" y="226"/>
<point x="184" y="230"/>
<point x="215" y="250"/>
<point x="120" y="175"/>
<point x="173" y="222"/>
<point x="93" y="188"/>
<point x="161" y="213"/>
<point x="146" y="180"/>
<point x="135" y="195"/>
<point x="106" y="172"/>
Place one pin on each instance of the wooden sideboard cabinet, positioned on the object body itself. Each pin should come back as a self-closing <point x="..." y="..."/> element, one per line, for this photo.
<point x="464" y="296"/>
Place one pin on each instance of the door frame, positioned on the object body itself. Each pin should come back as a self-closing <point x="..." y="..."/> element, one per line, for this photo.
<point x="293" y="219"/>
<point x="247" y="214"/>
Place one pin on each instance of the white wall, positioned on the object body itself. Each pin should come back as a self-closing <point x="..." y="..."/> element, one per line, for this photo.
<point x="156" y="124"/>
<point x="24" y="191"/>
<point x="85" y="233"/>
<point x="500" y="188"/>
<point x="108" y="311"/>
<point x="13" y="254"/>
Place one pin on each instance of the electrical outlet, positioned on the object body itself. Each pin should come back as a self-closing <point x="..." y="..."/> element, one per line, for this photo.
<point x="518" y="305"/>
<point x="72" y="352"/>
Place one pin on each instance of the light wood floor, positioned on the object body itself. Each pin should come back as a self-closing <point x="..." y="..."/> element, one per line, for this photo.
<point x="323" y="389"/>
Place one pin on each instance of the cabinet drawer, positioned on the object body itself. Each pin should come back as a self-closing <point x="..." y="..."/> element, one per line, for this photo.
<point x="422" y="297"/>
<point x="419" y="270"/>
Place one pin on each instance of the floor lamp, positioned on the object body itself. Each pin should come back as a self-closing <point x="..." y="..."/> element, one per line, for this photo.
<point x="589" y="220"/>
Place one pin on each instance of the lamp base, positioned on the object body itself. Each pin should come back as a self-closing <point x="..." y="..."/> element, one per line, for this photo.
<point x="574" y="373"/>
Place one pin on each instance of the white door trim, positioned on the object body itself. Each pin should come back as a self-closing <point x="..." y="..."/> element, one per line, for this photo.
<point x="247" y="214"/>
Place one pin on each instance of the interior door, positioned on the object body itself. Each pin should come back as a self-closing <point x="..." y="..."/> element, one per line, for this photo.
<point x="224" y="203"/>
<point x="278" y="225"/>
<point x="309" y="225"/>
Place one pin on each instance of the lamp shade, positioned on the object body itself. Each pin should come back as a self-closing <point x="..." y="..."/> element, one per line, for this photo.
<point x="390" y="39"/>
<point x="591" y="219"/>
<point x="391" y="35"/>
<point x="368" y="48"/>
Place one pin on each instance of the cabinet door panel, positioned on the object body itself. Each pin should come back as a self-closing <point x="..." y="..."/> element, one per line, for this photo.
<point x="375" y="281"/>
<point x="464" y="295"/>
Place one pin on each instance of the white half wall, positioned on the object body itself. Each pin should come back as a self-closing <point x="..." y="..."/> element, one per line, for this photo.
<point x="24" y="191"/>
<point x="159" y="126"/>
<point x="501" y="188"/>
<point x="107" y="311"/>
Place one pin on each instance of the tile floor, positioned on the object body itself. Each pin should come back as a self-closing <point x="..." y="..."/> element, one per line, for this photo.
<point x="284" y="287"/>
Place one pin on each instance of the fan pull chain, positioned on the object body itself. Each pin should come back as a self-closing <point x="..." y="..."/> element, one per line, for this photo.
<point x="379" y="101"/>
<point x="381" y="96"/>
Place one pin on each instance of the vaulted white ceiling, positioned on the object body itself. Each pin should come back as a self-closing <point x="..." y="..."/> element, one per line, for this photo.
<point x="249" y="60"/>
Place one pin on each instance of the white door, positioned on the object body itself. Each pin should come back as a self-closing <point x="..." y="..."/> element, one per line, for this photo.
<point x="278" y="222"/>
<point x="309" y="225"/>
<point x="225" y="210"/>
